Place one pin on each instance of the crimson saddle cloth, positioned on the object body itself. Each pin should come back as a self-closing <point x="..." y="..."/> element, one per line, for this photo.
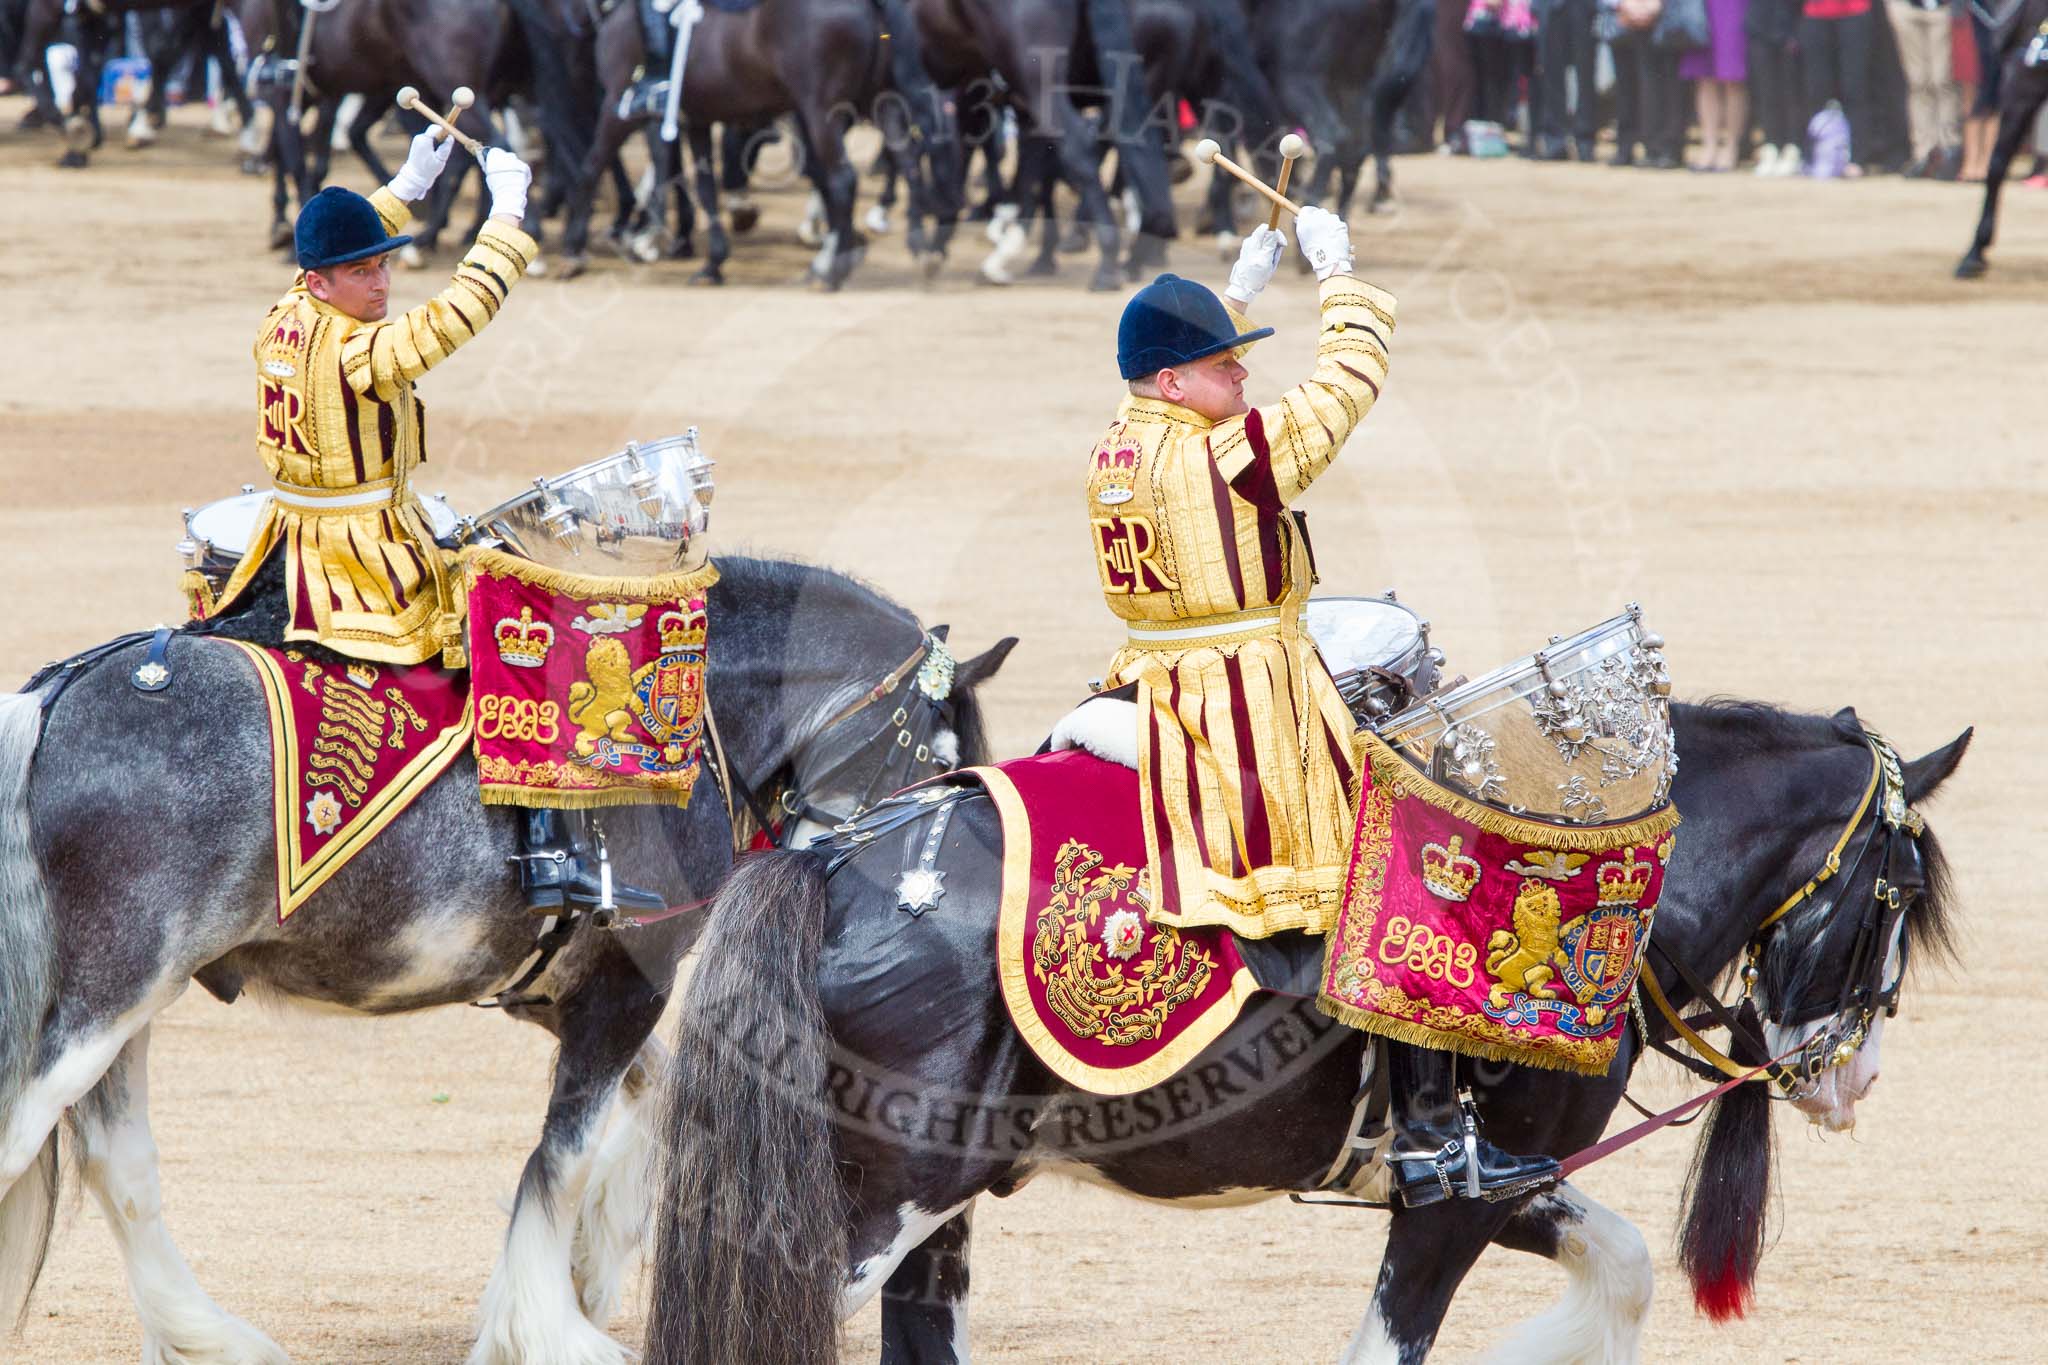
<point x="1109" y="1001"/>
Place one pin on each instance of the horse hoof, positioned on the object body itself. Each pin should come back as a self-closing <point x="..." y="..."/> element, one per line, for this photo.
<point x="572" y="266"/>
<point x="745" y="218"/>
<point x="32" y="120"/>
<point x="1382" y="202"/>
<point x="644" y="248"/>
<point x="411" y="257"/>
<point x="74" y="160"/>
<point x="1971" y="268"/>
<point x="876" y="220"/>
<point x="1108" y="276"/>
<point x="539" y="268"/>
<point x="1043" y="268"/>
<point x="708" y="276"/>
<point x="931" y="263"/>
<point x="679" y="249"/>
<point x="280" y="235"/>
<point x="1227" y="245"/>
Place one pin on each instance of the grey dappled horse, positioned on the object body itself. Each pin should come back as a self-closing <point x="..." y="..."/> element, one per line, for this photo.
<point x="137" y="855"/>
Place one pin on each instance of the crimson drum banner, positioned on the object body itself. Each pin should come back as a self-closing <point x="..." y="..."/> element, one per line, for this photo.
<point x="586" y="691"/>
<point x="1465" y="928"/>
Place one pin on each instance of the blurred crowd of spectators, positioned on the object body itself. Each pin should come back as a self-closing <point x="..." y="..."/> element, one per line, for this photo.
<point x="1825" y="87"/>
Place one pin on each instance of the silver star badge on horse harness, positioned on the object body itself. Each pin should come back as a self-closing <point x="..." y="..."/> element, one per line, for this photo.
<point x="919" y="889"/>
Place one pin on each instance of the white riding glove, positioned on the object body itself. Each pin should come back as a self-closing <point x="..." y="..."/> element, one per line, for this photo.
<point x="1257" y="259"/>
<point x="423" y="165"/>
<point x="1325" y="241"/>
<point x="508" y="178"/>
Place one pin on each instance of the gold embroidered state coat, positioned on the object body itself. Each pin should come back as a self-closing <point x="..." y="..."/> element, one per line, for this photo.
<point x="1245" y="756"/>
<point x="341" y="432"/>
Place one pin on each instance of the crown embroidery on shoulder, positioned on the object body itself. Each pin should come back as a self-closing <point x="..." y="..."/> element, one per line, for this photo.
<point x="1116" y="475"/>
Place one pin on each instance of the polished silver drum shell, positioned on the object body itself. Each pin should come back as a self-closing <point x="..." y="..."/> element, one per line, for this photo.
<point x="634" y="514"/>
<point x="1577" y="733"/>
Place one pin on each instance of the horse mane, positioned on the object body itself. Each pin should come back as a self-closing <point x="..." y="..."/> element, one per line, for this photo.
<point x="745" y="574"/>
<point x="1759" y="728"/>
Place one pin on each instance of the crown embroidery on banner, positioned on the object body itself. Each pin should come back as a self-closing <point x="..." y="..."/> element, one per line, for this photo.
<point x="1449" y="873"/>
<point x="363" y="675"/>
<point x="682" y="629"/>
<point x="524" y="643"/>
<point x="1116" y="475"/>
<point x="1624" y="883"/>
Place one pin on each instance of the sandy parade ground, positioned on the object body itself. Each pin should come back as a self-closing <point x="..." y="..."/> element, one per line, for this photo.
<point x="1763" y="409"/>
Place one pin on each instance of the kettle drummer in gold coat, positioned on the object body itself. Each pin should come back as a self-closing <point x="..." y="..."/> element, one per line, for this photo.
<point x="342" y="432"/>
<point x="1244" y="746"/>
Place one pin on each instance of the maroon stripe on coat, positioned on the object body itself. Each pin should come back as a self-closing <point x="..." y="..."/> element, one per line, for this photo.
<point x="1254" y="483"/>
<point x="1226" y="524"/>
<point x="1237" y="868"/>
<point x="1193" y="778"/>
<point x="355" y="434"/>
<point x="1258" y="837"/>
<point x="1363" y="379"/>
<point x="387" y="434"/>
<point x="1167" y="876"/>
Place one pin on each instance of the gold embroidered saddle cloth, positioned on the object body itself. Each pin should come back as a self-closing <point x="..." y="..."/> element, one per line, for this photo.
<point x="351" y="744"/>
<point x="1108" y="1000"/>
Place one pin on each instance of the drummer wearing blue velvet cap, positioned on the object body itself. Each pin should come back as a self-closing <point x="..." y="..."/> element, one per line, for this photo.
<point x="1244" y="747"/>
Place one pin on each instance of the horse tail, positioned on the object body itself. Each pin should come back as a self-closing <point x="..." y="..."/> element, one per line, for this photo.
<point x="28" y="987"/>
<point x="562" y="98"/>
<point x="929" y="121"/>
<point x="1408" y="49"/>
<point x="1123" y="77"/>
<point x="1727" y="1197"/>
<point x="750" y="1257"/>
<point x="1244" y="84"/>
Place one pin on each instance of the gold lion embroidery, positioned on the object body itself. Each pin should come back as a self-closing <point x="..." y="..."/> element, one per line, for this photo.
<point x="1531" y="956"/>
<point x="601" y="707"/>
<point x="1114" y="992"/>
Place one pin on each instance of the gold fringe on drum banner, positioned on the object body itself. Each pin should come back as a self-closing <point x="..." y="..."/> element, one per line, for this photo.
<point x="588" y="691"/>
<point x="478" y="559"/>
<point x="1492" y="935"/>
<point x="1389" y="768"/>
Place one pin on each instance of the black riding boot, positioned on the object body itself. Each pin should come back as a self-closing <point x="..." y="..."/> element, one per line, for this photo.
<point x="554" y="870"/>
<point x="1438" y="1152"/>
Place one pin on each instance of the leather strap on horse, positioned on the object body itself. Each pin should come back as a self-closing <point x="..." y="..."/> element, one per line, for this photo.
<point x="1834" y="859"/>
<point x="1606" y="1147"/>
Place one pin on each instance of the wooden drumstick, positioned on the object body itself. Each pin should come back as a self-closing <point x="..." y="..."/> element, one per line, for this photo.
<point x="1208" y="150"/>
<point x="1291" y="148"/>
<point x="409" y="98"/>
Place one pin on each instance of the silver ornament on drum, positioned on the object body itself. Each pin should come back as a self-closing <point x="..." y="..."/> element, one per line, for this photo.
<point x="1578" y="733"/>
<point x="630" y="515"/>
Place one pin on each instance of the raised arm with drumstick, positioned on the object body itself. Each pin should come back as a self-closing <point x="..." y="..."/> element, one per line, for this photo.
<point x="1244" y="746"/>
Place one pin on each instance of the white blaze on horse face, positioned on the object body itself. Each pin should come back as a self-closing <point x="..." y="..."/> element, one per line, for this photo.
<point x="1831" y="1101"/>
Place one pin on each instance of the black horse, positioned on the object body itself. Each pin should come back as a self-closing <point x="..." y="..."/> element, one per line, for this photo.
<point x="828" y="62"/>
<point x="1048" y="61"/>
<point x="111" y="906"/>
<point x="1345" y="95"/>
<point x="2022" y="38"/>
<point x="171" y="29"/>
<point x="848" y="1081"/>
<point x="372" y="48"/>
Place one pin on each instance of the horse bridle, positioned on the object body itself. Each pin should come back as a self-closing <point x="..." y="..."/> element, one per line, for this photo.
<point x="919" y="687"/>
<point x="1895" y="829"/>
